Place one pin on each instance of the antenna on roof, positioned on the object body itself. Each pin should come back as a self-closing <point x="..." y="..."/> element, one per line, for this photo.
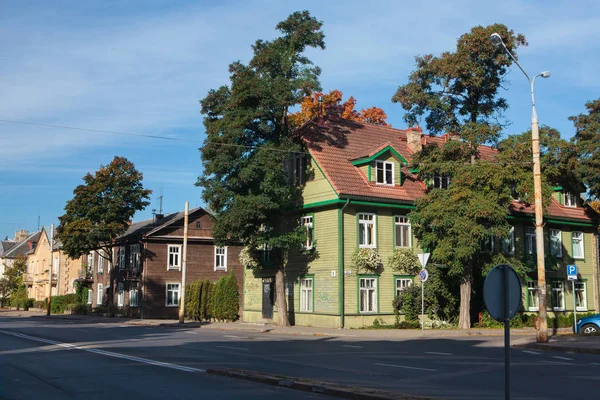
<point x="38" y="220"/>
<point x="160" y="199"/>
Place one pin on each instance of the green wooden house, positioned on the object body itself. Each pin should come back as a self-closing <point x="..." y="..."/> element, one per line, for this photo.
<point x="357" y="194"/>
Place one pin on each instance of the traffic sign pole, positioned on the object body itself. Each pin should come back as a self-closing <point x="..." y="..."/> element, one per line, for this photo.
<point x="574" y="307"/>
<point x="572" y="276"/>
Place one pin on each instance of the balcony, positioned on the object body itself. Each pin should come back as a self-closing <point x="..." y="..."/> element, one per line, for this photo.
<point x="133" y="274"/>
<point x="86" y="274"/>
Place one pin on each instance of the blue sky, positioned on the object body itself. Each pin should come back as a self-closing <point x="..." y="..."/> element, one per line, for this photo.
<point x="142" y="66"/>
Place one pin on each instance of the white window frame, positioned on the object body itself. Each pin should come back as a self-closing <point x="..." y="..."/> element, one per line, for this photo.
<point x="530" y="241"/>
<point x="307" y="224"/>
<point x="532" y="294"/>
<point x="90" y="261"/>
<point x="556" y="242"/>
<point x="401" y="284"/>
<point x="90" y="297"/>
<point x="120" y="294"/>
<point x="122" y="250"/>
<point x="177" y="290"/>
<point x="101" y="262"/>
<point x="366" y="220"/>
<point x="99" y="294"/>
<point x="306" y="294"/>
<point x="570" y="199"/>
<point x="581" y="287"/>
<point x="440" y="181"/>
<point x="220" y="259"/>
<point x="134" y="256"/>
<point x="508" y="243"/>
<point x="558" y="287"/>
<point x="134" y="294"/>
<point x="370" y="289"/>
<point x="384" y="167"/>
<point x="175" y="267"/>
<point x="577" y="242"/>
<point x="402" y="222"/>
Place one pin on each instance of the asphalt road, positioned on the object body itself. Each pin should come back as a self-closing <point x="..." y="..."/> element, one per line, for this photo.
<point x="167" y="362"/>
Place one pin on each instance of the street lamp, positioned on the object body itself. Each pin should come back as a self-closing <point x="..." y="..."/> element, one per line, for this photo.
<point x="542" y="328"/>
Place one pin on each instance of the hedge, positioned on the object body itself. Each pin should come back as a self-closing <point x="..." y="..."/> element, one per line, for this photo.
<point x="205" y="300"/>
<point x="59" y="304"/>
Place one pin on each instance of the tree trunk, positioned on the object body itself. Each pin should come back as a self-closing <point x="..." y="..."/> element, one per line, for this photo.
<point x="464" y="321"/>
<point x="280" y="300"/>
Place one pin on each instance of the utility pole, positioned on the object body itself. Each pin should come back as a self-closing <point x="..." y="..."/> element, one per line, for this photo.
<point x="50" y="271"/>
<point x="184" y="267"/>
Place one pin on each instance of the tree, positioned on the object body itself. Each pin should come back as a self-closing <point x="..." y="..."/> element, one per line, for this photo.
<point x="101" y="209"/>
<point x="309" y="109"/>
<point x="457" y="93"/>
<point x="587" y="142"/>
<point x="12" y="279"/>
<point x="249" y="136"/>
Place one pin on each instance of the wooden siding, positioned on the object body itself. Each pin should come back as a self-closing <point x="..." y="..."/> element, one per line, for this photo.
<point x="317" y="188"/>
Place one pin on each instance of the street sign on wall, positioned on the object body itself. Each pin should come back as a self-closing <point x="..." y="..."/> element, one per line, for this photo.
<point x="572" y="272"/>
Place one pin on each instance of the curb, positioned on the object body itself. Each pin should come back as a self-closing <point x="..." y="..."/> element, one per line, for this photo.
<point x="567" y="349"/>
<point x="307" y="385"/>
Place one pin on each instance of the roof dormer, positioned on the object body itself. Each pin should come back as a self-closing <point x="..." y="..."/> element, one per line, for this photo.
<point x="381" y="165"/>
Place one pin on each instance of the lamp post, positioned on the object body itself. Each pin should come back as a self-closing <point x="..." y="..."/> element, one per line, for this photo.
<point x="542" y="328"/>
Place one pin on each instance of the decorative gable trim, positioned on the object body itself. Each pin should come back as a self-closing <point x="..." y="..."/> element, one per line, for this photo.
<point x="380" y="152"/>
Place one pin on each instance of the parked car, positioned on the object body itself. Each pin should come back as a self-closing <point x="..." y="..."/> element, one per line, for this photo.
<point x="588" y="325"/>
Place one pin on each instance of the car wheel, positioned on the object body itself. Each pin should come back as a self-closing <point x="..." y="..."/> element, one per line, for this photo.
<point x="589" y="329"/>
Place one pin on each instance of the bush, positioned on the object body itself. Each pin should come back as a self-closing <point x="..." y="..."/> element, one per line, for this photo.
<point x="59" y="304"/>
<point x="228" y="298"/>
<point x="41" y="303"/>
<point x="409" y="302"/>
<point x="367" y="260"/>
<point x="19" y="298"/>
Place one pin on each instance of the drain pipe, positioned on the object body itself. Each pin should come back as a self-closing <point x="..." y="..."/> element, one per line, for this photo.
<point x="341" y="276"/>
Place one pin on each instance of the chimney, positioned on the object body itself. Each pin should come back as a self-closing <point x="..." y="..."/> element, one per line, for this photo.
<point x="21" y="235"/>
<point x="158" y="217"/>
<point x="413" y="139"/>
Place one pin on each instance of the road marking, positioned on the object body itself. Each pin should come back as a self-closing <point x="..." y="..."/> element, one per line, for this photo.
<point x="405" y="366"/>
<point x="70" y="346"/>
<point x="531" y="352"/>
<point x="556" y="362"/>
<point x="232" y="348"/>
<point x="563" y="358"/>
<point x="438" y="353"/>
<point x="231" y="336"/>
<point x="595" y="363"/>
<point x="351" y="346"/>
<point x="191" y="332"/>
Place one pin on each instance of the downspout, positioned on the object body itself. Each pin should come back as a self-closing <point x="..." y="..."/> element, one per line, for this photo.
<point x="341" y="297"/>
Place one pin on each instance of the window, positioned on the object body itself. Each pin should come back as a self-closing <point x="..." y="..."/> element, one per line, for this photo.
<point x="402" y="231"/>
<point x="90" y="296"/>
<point x="120" y="295"/>
<point x="530" y="240"/>
<point x="441" y="181"/>
<point x="198" y="225"/>
<point x="401" y="284"/>
<point x="555" y="242"/>
<point x="173" y="294"/>
<point x="306" y="295"/>
<point x="90" y="261"/>
<point x="487" y="244"/>
<point x="508" y="243"/>
<point x="385" y="172"/>
<point x="133" y="298"/>
<point x="220" y="258"/>
<point x="99" y="296"/>
<point x="134" y="256"/>
<point x="174" y="256"/>
<point x="366" y="230"/>
<point x="101" y="262"/>
<point x="368" y="295"/>
<point x="580" y="297"/>
<point x="558" y="295"/>
<point x="577" y="239"/>
<point x="121" y="257"/>
<point x="307" y="224"/>
<point x="294" y="169"/>
<point x="570" y="199"/>
<point x="533" y="301"/>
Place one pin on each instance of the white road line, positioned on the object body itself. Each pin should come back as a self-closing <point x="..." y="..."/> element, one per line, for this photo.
<point x="595" y="363"/>
<point x="231" y="336"/>
<point x="531" y="352"/>
<point x="70" y="346"/>
<point x="556" y="362"/>
<point x="351" y="346"/>
<point x="405" y="366"/>
<point x="232" y="348"/>
<point x="563" y="358"/>
<point x="438" y="353"/>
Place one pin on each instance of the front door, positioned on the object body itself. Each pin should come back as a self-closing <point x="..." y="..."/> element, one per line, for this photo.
<point x="267" y="299"/>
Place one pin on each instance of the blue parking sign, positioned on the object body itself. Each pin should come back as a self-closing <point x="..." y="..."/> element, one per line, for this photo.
<point x="572" y="272"/>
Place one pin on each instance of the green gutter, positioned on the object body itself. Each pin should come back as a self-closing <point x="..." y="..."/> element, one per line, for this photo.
<point x="380" y="152"/>
<point x="357" y="202"/>
<point x="551" y="220"/>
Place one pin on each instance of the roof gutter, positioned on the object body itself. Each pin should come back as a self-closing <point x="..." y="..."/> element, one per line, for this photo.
<point x="341" y="276"/>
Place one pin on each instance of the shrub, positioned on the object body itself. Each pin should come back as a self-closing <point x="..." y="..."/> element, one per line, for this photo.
<point x="19" y="298"/>
<point x="405" y="260"/>
<point x="59" y="304"/>
<point x="409" y="302"/>
<point x="230" y="299"/>
<point x="367" y="260"/>
<point x="41" y="303"/>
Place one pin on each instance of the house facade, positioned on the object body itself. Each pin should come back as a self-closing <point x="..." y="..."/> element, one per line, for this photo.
<point x="358" y="193"/>
<point x="145" y="274"/>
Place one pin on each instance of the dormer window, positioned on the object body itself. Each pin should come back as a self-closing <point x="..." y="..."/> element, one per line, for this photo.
<point x="570" y="199"/>
<point x="385" y="172"/>
<point x="440" y="181"/>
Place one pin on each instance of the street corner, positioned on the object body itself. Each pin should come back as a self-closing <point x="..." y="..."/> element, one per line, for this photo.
<point x="561" y="343"/>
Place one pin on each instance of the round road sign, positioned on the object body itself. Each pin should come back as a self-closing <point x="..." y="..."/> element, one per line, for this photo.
<point x="502" y="292"/>
<point x="423" y="275"/>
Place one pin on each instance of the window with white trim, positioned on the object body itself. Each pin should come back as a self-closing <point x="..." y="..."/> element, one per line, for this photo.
<point x="570" y="199"/>
<point x="101" y="262"/>
<point x="306" y="295"/>
<point x="558" y="295"/>
<point x="133" y="298"/>
<point x="508" y="243"/>
<point x="307" y="225"/>
<point x="174" y="257"/>
<point x="134" y="256"/>
<point x="530" y="240"/>
<point x="122" y="257"/>
<point x="120" y="294"/>
<point x="384" y="172"/>
<point x="90" y="296"/>
<point x="402" y="284"/>
<point x="220" y="258"/>
<point x="90" y="262"/>
<point x="100" y="294"/>
<point x="577" y="240"/>
<point x="533" y="301"/>
<point x="555" y="242"/>
<point x="580" y="296"/>
<point x="366" y="230"/>
<point x="440" y="181"/>
<point x="173" y="290"/>
<point x="368" y="295"/>
<point x="402" y="231"/>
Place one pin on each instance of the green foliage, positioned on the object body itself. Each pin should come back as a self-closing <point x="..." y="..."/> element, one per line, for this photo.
<point x="409" y="303"/>
<point x="12" y="279"/>
<point x="82" y="293"/>
<point x="206" y="300"/>
<point x="41" y="304"/>
<point x="58" y="304"/>
<point x="367" y="260"/>
<point x="20" y="300"/>
<point x="405" y="260"/>
<point x="587" y="142"/>
<point x="101" y="208"/>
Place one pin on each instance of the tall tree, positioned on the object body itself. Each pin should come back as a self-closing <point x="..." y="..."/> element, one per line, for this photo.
<point x="309" y="109"/>
<point x="587" y="142"/>
<point x="12" y="279"/>
<point x="457" y="93"/>
<point x="249" y="136"/>
<point x="102" y="208"/>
